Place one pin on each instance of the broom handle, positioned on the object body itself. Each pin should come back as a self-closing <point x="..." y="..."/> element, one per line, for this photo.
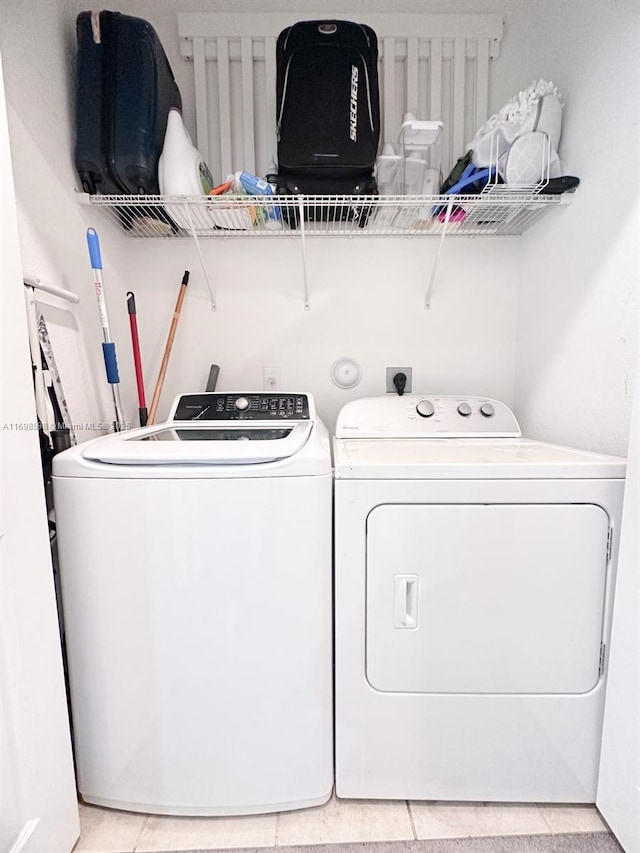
<point x="167" y="350"/>
<point x="137" y="361"/>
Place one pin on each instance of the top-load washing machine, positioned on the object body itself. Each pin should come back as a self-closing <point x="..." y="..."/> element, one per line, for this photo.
<point x="474" y="578"/>
<point x="195" y="561"/>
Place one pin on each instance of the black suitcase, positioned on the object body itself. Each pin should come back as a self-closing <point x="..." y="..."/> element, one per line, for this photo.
<point x="328" y="112"/>
<point x="124" y="90"/>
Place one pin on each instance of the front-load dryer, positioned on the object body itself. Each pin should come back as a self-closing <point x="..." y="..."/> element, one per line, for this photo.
<point x="195" y="560"/>
<point x="474" y="578"/>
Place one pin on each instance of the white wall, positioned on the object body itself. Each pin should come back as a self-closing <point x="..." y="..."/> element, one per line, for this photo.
<point x="578" y="313"/>
<point x="366" y="294"/>
<point x="367" y="301"/>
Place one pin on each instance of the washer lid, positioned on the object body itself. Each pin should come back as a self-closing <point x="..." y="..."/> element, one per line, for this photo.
<point x="189" y="443"/>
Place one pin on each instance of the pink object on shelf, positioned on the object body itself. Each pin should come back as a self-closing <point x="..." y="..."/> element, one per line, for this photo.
<point x="457" y="215"/>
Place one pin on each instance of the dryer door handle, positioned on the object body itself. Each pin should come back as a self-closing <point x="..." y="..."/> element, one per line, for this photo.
<point x="405" y="609"/>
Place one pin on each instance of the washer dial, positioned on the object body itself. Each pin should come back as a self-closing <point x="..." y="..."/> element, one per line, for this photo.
<point x="425" y="408"/>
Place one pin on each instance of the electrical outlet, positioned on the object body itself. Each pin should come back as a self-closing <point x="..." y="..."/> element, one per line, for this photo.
<point x="391" y="372"/>
<point x="271" y="378"/>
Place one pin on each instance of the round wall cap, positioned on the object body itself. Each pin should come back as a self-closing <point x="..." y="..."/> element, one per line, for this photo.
<point x="346" y="373"/>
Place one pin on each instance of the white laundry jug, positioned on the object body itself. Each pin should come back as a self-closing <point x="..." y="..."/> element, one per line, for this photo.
<point x="182" y="171"/>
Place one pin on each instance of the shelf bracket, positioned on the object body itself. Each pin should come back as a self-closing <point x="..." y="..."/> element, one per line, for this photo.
<point x="303" y="243"/>
<point x="436" y="262"/>
<point x="212" y="295"/>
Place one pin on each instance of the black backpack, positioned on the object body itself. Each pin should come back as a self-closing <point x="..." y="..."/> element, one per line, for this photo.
<point x="328" y="108"/>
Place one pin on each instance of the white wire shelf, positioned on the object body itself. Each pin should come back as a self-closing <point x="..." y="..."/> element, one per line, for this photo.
<point x="498" y="211"/>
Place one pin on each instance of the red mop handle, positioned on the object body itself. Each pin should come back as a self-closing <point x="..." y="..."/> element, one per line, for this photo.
<point x="137" y="361"/>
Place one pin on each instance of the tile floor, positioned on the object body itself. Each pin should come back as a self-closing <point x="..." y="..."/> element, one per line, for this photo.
<point x="106" y="831"/>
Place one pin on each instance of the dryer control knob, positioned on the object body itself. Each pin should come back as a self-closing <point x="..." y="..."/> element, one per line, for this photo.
<point x="242" y="403"/>
<point x="464" y="409"/>
<point x="488" y="410"/>
<point x="425" y="408"/>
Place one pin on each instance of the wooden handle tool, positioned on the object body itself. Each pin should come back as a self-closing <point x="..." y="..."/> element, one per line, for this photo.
<point x="167" y="350"/>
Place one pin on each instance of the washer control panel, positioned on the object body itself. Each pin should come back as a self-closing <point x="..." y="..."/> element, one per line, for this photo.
<point x="426" y="416"/>
<point x="242" y="407"/>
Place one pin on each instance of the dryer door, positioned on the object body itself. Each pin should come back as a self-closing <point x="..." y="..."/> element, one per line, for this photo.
<point x="485" y="598"/>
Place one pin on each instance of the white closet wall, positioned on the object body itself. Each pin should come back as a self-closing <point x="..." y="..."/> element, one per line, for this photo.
<point x="38" y="805"/>
<point x="578" y="306"/>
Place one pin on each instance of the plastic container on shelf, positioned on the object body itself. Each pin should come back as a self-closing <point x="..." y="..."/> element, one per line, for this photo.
<point x="388" y="171"/>
<point x="420" y="152"/>
<point x="419" y="178"/>
<point x="419" y="135"/>
<point x="414" y="173"/>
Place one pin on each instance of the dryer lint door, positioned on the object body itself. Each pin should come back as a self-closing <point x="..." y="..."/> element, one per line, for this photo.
<point x="485" y="598"/>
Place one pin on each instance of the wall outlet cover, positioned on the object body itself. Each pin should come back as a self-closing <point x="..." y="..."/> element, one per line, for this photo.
<point x="391" y="372"/>
<point x="271" y="379"/>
